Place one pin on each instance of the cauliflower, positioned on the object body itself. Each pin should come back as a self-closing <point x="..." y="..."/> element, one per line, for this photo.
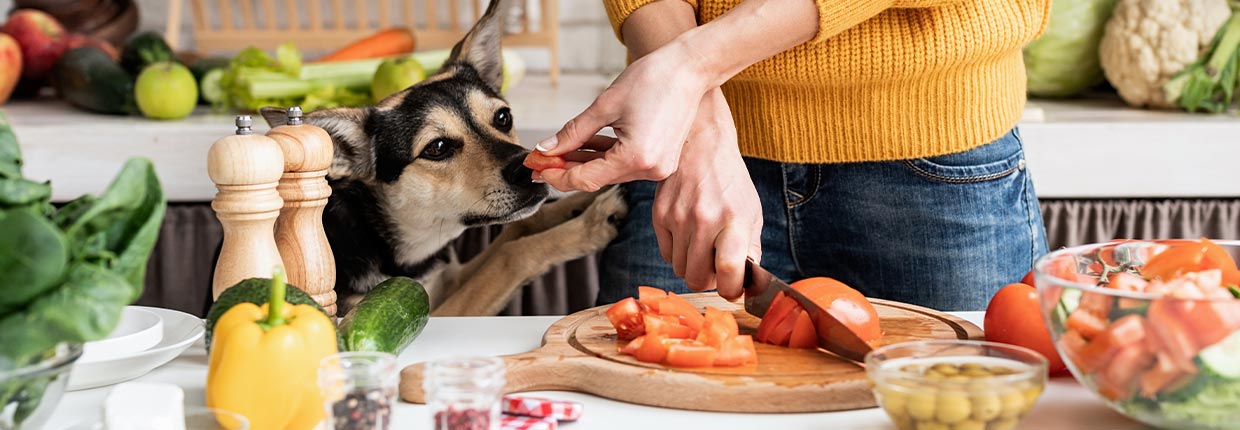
<point x="1148" y="42"/>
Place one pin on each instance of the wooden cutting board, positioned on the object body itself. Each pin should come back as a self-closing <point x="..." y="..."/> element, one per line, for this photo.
<point x="580" y="353"/>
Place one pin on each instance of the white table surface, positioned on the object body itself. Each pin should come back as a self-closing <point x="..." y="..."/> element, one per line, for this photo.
<point x="1064" y="406"/>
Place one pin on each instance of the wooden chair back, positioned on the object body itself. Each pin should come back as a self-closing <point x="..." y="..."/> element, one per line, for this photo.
<point x="319" y="26"/>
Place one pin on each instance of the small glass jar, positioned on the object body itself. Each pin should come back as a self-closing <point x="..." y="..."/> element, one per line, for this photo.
<point x="359" y="390"/>
<point x="464" y="393"/>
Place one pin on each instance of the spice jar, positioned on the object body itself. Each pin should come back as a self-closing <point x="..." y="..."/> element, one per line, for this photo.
<point x="464" y="393"/>
<point x="359" y="389"/>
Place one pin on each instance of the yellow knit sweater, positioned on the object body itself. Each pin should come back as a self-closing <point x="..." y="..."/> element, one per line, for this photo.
<point x="882" y="80"/>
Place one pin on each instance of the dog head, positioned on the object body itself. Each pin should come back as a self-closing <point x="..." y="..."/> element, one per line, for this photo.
<point x="443" y="150"/>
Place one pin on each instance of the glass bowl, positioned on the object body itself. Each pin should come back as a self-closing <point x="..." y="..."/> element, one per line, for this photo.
<point x="956" y="384"/>
<point x="196" y="418"/>
<point x="29" y="394"/>
<point x="1153" y="335"/>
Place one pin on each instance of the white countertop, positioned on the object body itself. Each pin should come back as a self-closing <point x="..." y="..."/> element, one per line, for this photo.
<point x="1064" y="406"/>
<point x="1081" y="149"/>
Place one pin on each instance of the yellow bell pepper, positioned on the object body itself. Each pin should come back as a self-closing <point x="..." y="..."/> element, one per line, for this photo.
<point x="264" y="362"/>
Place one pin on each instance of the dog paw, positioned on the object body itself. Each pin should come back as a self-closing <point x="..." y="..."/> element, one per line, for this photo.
<point x="607" y="209"/>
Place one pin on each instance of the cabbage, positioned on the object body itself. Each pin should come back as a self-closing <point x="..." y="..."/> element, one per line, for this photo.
<point x="1064" y="60"/>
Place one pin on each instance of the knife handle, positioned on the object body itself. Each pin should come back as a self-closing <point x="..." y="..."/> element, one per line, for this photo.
<point x="536" y="370"/>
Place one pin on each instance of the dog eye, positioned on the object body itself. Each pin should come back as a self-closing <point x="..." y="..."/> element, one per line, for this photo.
<point x="438" y="149"/>
<point x="503" y="120"/>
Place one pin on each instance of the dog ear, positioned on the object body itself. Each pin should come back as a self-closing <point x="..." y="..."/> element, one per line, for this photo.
<point x="275" y="116"/>
<point x="354" y="154"/>
<point x="480" y="49"/>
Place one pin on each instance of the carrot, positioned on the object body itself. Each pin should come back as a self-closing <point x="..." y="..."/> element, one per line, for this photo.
<point x="386" y="43"/>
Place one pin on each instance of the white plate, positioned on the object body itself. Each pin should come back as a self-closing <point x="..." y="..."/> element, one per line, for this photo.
<point x="139" y="330"/>
<point x="181" y="330"/>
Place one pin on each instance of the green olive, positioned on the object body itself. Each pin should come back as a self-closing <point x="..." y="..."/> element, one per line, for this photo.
<point x="921" y="404"/>
<point x="969" y="425"/>
<point x="1003" y="424"/>
<point x="978" y="372"/>
<point x="972" y="366"/>
<point x="934" y="375"/>
<point x="894" y="401"/>
<point x="1013" y="404"/>
<point x="958" y="378"/>
<point x="986" y="406"/>
<point x="931" y="425"/>
<point x="1001" y="370"/>
<point x="953" y="407"/>
<point x="947" y="369"/>
<point x="1031" y="395"/>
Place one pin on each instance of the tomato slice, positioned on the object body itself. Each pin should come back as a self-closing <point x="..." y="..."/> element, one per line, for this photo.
<point x="846" y="304"/>
<point x="782" y="332"/>
<point x="737" y="351"/>
<point x="778" y="310"/>
<point x="652" y="350"/>
<point x="537" y="161"/>
<point x="1177" y="343"/>
<point x="633" y="345"/>
<point x="626" y="317"/>
<point x="1128" y="331"/>
<point x="1121" y="375"/>
<point x="1216" y="257"/>
<point x="1095" y="303"/>
<point x="662" y="325"/>
<point x="713" y="335"/>
<point x="690" y="354"/>
<point x="1212" y="321"/>
<point x="1162" y="375"/>
<point x="723" y="319"/>
<point x="650" y="297"/>
<point x="1085" y="323"/>
<point x="804" y="335"/>
<point x="674" y="305"/>
<point x="1188" y="257"/>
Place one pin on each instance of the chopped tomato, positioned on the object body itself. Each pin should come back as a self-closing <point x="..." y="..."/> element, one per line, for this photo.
<point x="1125" y="281"/>
<point x="1162" y="375"/>
<point x="782" y="332"/>
<point x="1088" y="324"/>
<point x="779" y="309"/>
<point x="1096" y="303"/>
<point x="674" y="305"/>
<point x="1122" y="373"/>
<point x="690" y="354"/>
<point x="537" y="161"/>
<point x="650" y="297"/>
<point x="1179" y="345"/>
<point x="1231" y="277"/>
<point x="845" y="304"/>
<point x="626" y="317"/>
<point x="737" y="351"/>
<point x="718" y="328"/>
<point x="1188" y="257"/>
<point x="1212" y="321"/>
<point x="1127" y="331"/>
<point x="662" y="325"/>
<point x="652" y="350"/>
<point x="804" y="335"/>
<point x="633" y="345"/>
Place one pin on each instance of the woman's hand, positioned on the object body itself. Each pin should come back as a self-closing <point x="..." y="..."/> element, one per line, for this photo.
<point x="650" y="106"/>
<point x="707" y="215"/>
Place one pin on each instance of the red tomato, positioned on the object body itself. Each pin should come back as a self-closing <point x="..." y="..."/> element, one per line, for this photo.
<point x="650" y="297"/>
<point x="847" y="305"/>
<point x="1177" y="343"/>
<point x="1212" y="321"/>
<point x="804" y="335"/>
<point x="1098" y="304"/>
<point x="537" y="161"/>
<point x="1014" y="317"/>
<point x="718" y="328"/>
<point x="674" y="305"/>
<point x="1128" y="331"/>
<point x="690" y="354"/>
<point x="1087" y="324"/>
<point x="782" y="332"/>
<point x="626" y="317"/>
<point x="737" y="351"/>
<point x="1188" y="257"/>
<point x="652" y="350"/>
<point x="1231" y="277"/>
<point x="1119" y="379"/>
<point x="661" y="325"/>
<point x="633" y="345"/>
<point x="1164" y="374"/>
<point x="1028" y="279"/>
<point x="779" y="310"/>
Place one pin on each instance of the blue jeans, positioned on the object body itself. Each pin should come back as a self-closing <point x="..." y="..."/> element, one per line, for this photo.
<point x="943" y="232"/>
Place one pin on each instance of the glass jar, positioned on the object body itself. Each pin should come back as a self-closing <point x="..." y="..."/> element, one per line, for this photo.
<point x="359" y="389"/>
<point x="465" y="393"/>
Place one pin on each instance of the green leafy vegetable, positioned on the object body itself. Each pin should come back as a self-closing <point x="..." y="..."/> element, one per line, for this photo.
<point x="1235" y="291"/>
<point x="1064" y="60"/>
<point x="34" y="257"/>
<point x="1209" y="84"/>
<point x="254" y="79"/>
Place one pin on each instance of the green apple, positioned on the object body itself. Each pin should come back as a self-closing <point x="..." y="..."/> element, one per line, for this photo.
<point x="166" y="90"/>
<point x="395" y="75"/>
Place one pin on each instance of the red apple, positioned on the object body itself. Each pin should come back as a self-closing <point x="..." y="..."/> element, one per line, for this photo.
<point x="10" y="66"/>
<point x="77" y="40"/>
<point x="41" y="38"/>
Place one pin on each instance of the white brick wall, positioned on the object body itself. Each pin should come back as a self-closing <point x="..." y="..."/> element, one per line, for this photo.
<point x="587" y="43"/>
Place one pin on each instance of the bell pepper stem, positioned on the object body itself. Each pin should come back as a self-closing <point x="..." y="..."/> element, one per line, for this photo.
<point x="275" y="305"/>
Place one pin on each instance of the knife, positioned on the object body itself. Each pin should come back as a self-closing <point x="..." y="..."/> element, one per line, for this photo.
<point x="760" y="290"/>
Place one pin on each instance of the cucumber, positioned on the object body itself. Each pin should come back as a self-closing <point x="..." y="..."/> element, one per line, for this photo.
<point x="209" y="90"/>
<point x="257" y="291"/>
<point x="388" y="319"/>
<point x="1223" y="358"/>
<point x="145" y="49"/>
<point x="86" y="77"/>
<point x="1069" y="300"/>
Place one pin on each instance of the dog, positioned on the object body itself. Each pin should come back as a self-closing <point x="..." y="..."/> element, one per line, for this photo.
<point x="413" y="172"/>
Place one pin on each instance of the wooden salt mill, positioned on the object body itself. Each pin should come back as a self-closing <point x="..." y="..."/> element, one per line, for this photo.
<point x="308" y="258"/>
<point x="246" y="169"/>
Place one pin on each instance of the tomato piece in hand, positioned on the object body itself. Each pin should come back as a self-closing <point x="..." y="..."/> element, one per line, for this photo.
<point x="674" y="305"/>
<point x="626" y="317"/>
<point x="804" y="335"/>
<point x="690" y="354"/>
<point x="537" y="161"/>
<point x="650" y="297"/>
<point x="737" y="351"/>
<point x="1014" y="317"/>
<point x="661" y="325"/>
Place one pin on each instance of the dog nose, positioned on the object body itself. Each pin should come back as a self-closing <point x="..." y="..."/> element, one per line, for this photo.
<point x="516" y="173"/>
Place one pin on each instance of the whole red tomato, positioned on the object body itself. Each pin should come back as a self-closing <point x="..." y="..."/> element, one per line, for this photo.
<point x="1014" y="317"/>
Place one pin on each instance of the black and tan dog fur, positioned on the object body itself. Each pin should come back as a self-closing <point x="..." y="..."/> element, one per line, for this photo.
<point x="414" y="171"/>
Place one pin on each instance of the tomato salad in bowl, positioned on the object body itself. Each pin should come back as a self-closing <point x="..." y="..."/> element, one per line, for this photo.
<point x="1152" y="327"/>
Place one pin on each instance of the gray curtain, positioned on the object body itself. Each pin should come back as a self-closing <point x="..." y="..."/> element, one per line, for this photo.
<point x="179" y="273"/>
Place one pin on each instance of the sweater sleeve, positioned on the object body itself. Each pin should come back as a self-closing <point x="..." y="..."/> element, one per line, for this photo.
<point x="619" y="10"/>
<point x="835" y="16"/>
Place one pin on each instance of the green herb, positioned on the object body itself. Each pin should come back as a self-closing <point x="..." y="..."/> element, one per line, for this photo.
<point x="1235" y="291"/>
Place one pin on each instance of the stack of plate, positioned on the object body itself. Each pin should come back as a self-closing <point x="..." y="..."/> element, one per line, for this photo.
<point x="145" y="339"/>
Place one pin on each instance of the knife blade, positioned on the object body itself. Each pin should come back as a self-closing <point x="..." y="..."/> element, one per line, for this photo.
<point x="761" y="287"/>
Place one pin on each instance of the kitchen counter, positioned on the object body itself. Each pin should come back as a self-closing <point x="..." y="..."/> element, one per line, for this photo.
<point x="1074" y="148"/>
<point x="1064" y="406"/>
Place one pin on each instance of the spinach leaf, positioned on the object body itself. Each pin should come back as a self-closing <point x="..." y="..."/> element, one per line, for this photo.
<point x="10" y="152"/>
<point x="23" y="192"/>
<point x="86" y="307"/>
<point x="127" y="217"/>
<point x="33" y="256"/>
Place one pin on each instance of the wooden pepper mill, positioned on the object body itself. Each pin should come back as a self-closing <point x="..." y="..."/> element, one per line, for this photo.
<point x="308" y="258"/>
<point x="246" y="169"/>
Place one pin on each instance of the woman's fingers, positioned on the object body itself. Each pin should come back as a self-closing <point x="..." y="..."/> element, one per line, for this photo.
<point x="700" y="263"/>
<point x="731" y="248"/>
<point x="584" y="127"/>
